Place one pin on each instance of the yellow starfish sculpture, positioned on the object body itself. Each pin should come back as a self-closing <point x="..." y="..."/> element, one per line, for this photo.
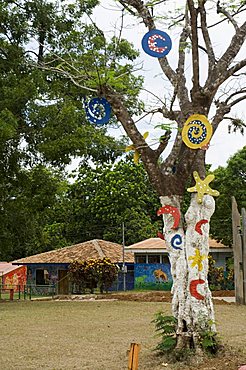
<point x="202" y="187"/>
<point x="197" y="260"/>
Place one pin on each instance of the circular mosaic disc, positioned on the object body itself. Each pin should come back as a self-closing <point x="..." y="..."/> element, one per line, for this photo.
<point x="156" y="43"/>
<point x="98" y="110"/>
<point x="197" y="131"/>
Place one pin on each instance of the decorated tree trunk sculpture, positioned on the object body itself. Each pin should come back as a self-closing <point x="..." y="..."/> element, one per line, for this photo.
<point x="186" y="237"/>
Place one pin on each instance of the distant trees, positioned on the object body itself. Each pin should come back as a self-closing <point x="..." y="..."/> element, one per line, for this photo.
<point x="230" y="181"/>
<point x="104" y="197"/>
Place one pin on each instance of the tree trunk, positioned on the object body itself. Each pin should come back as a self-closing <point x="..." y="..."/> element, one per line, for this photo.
<point x="188" y="247"/>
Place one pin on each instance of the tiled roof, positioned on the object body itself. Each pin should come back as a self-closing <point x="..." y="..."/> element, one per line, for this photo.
<point x="157" y="243"/>
<point x="82" y="251"/>
<point x="6" y="267"/>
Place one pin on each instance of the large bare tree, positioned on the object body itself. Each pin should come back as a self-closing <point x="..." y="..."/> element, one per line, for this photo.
<point x="210" y="91"/>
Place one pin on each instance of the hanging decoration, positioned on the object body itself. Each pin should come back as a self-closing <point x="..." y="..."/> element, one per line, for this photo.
<point x="136" y="155"/>
<point x="197" y="259"/>
<point x="176" y="241"/>
<point x="202" y="187"/>
<point x="193" y="289"/>
<point x="98" y="110"/>
<point x="156" y="43"/>
<point x="199" y="224"/>
<point x="197" y="132"/>
<point x="172" y="211"/>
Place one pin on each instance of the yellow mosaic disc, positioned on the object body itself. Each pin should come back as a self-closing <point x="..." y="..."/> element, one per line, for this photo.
<point x="197" y="131"/>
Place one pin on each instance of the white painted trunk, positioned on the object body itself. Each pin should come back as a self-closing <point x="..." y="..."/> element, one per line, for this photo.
<point x="188" y="247"/>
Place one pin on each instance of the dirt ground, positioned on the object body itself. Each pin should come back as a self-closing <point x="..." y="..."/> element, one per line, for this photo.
<point x="159" y="296"/>
<point x="96" y="335"/>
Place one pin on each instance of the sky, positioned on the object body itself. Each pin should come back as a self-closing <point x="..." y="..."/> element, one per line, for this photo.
<point x="108" y="18"/>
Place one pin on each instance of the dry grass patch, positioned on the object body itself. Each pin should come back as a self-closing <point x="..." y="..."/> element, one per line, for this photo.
<point x="96" y="335"/>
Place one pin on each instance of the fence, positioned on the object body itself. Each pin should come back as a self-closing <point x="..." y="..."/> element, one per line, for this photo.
<point x="18" y="292"/>
<point x="239" y="250"/>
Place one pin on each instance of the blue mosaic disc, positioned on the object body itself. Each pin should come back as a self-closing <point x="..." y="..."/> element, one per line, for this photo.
<point x="98" y="110"/>
<point x="156" y="43"/>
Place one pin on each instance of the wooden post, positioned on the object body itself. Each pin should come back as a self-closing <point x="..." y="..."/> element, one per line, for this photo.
<point x="11" y="294"/>
<point x="133" y="356"/>
<point x="238" y="252"/>
<point x="244" y="251"/>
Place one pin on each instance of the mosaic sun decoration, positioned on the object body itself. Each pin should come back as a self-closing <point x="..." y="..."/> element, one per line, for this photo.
<point x="202" y="187"/>
<point x="156" y="43"/>
<point x="197" y="132"/>
<point x="193" y="289"/>
<point x="131" y="147"/>
<point x="98" y="110"/>
<point x="172" y="211"/>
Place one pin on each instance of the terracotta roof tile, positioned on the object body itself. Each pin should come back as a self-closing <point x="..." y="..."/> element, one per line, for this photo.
<point x="157" y="243"/>
<point x="82" y="251"/>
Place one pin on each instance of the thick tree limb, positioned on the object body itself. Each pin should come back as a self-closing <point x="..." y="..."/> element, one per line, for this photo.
<point x="194" y="39"/>
<point x="180" y="88"/>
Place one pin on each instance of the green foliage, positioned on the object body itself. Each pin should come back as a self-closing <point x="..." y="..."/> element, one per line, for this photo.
<point x="209" y="339"/>
<point x="93" y="273"/>
<point x="166" y="328"/>
<point x="102" y="198"/>
<point x="218" y="279"/>
<point x="230" y="181"/>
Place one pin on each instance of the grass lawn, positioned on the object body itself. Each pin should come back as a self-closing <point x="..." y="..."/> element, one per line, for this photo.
<point x="96" y="335"/>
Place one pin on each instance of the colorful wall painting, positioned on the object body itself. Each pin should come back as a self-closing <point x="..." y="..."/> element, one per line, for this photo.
<point x="156" y="43"/>
<point x="98" y="110"/>
<point x="197" y="131"/>
<point x="152" y="276"/>
<point x="202" y="187"/>
<point x="15" y="279"/>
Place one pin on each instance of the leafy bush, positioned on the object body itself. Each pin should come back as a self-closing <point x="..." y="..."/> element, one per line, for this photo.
<point x="93" y="273"/>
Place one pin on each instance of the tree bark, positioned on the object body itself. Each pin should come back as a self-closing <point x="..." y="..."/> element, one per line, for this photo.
<point x="188" y="247"/>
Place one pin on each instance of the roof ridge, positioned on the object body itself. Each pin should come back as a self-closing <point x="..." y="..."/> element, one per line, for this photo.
<point x="98" y="248"/>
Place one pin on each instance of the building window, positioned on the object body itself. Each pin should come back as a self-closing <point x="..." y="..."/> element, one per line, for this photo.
<point x="42" y="277"/>
<point x="154" y="258"/>
<point x="165" y="259"/>
<point x="140" y="258"/>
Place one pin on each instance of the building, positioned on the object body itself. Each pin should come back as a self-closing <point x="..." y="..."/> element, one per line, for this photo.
<point x="152" y="266"/>
<point x="49" y="269"/>
<point x="12" y="277"/>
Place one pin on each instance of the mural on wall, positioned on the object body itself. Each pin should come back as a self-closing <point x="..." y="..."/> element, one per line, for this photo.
<point x="50" y="282"/>
<point x="156" y="276"/>
<point x="16" y="279"/>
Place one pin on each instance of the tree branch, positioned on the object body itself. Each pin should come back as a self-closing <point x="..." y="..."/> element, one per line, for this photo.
<point x="220" y="72"/>
<point x="180" y="88"/>
<point x="148" y="20"/>
<point x="208" y="43"/>
<point x="227" y="15"/>
<point x="195" y="52"/>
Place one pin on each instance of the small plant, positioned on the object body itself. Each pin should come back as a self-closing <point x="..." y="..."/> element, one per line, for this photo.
<point x="209" y="338"/>
<point x="166" y="328"/>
